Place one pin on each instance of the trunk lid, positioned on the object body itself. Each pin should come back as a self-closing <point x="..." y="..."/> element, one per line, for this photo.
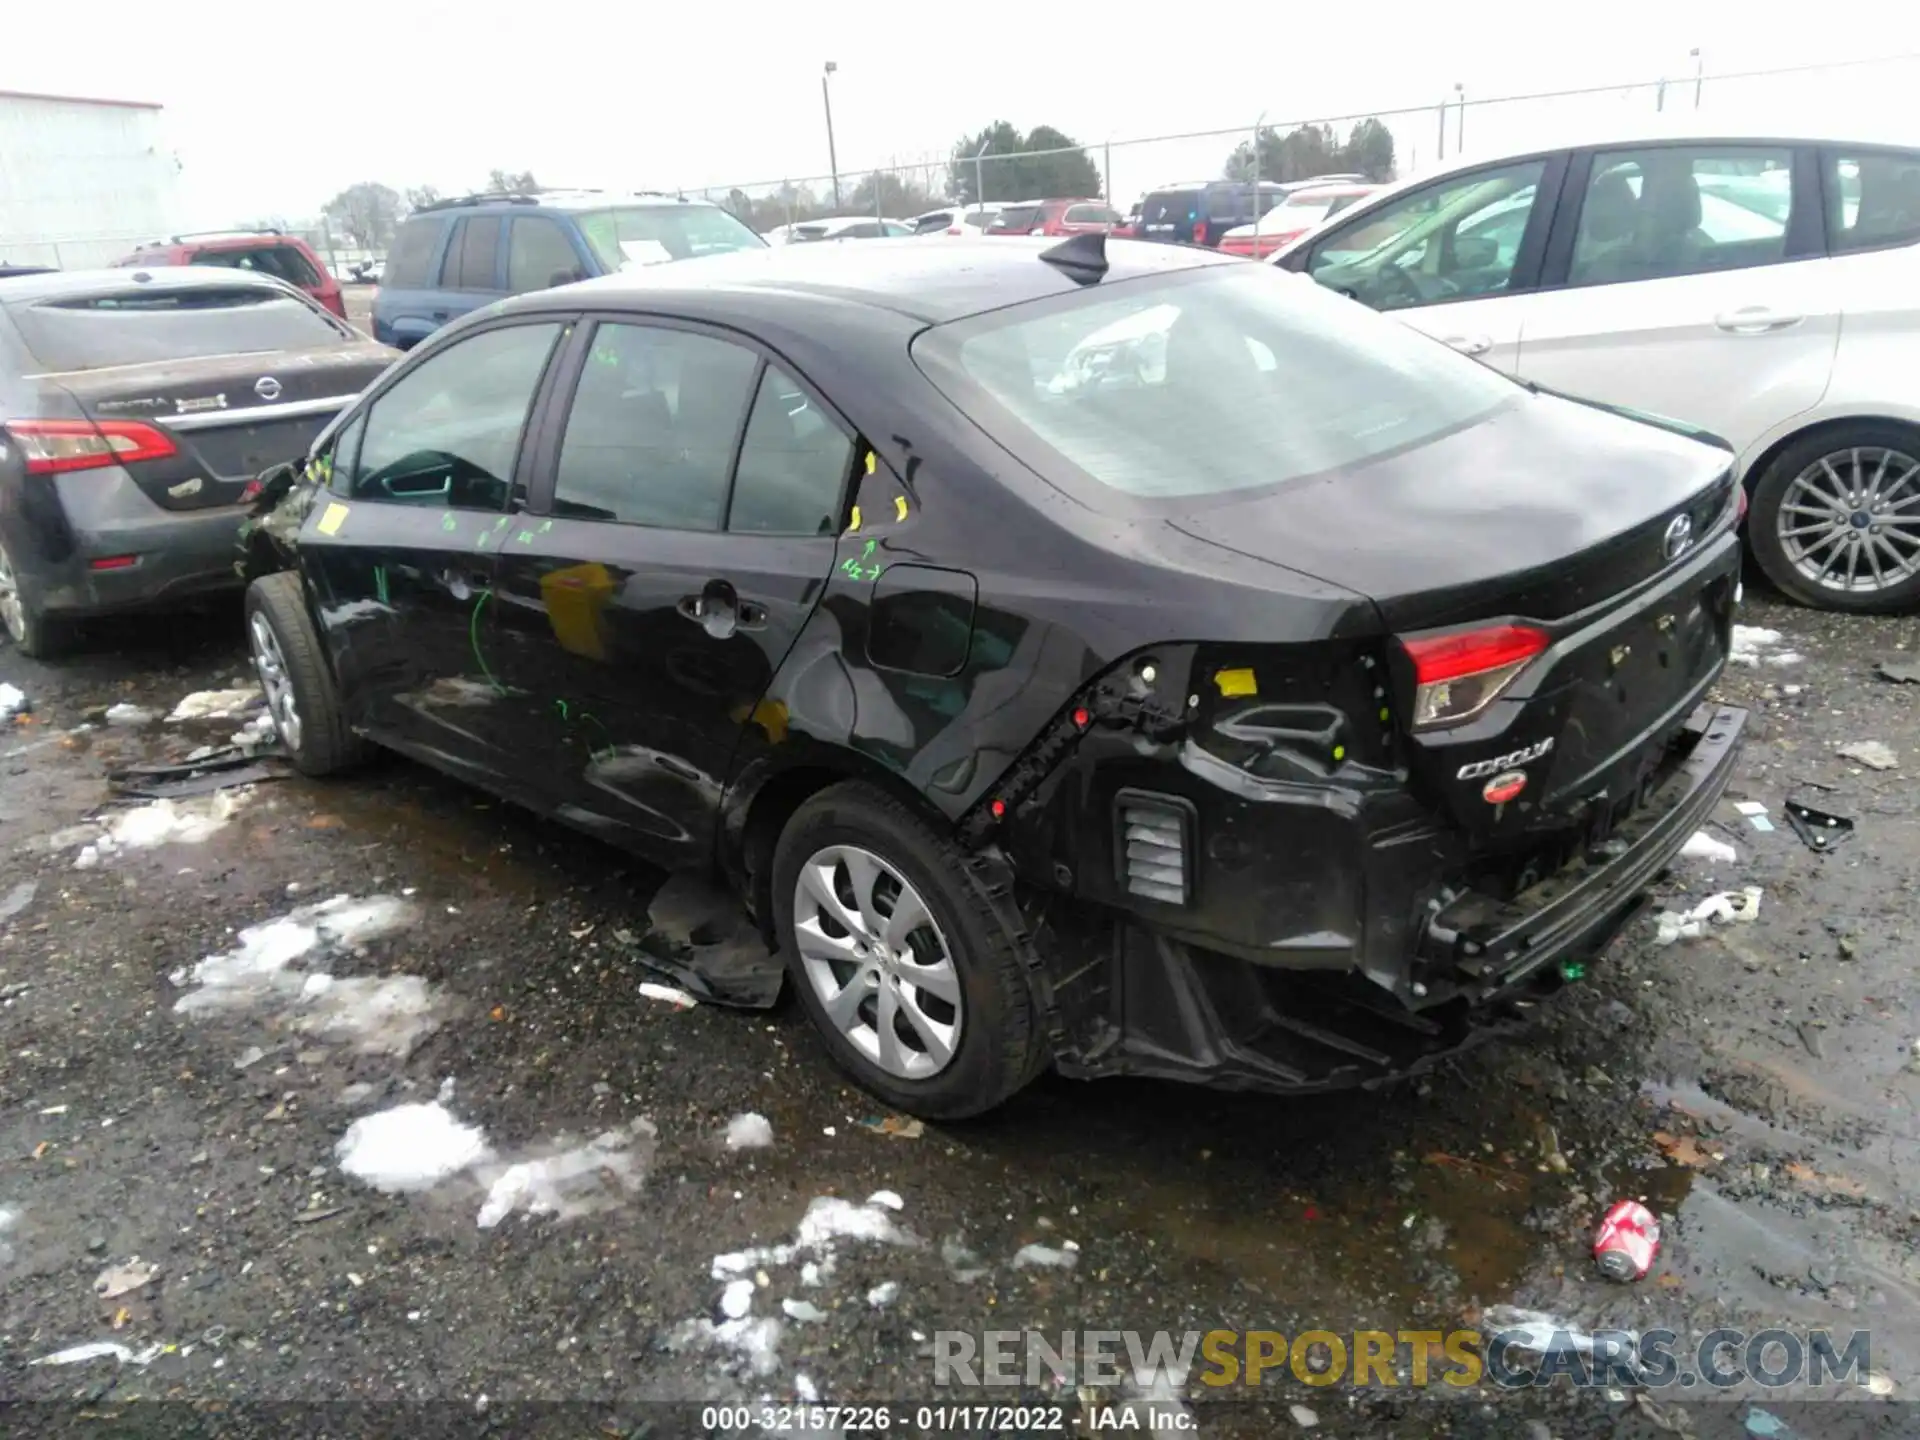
<point x="229" y="416"/>
<point x="1612" y="539"/>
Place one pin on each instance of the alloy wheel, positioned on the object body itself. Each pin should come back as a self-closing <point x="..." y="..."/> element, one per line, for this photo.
<point x="1851" y="520"/>
<point x="878" y="962"/>
<point x="13" y="608"/>
<point x="271" y="666"/>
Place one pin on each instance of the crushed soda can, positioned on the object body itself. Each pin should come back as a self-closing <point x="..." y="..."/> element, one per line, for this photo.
<point x="1626" y="1242"/>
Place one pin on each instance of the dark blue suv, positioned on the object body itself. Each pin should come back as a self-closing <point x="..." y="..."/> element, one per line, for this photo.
<point x="457" y="255"/>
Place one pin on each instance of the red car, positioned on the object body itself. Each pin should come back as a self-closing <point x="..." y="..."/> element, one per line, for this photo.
<point x="1055" y="217"/>
<point x="265" y="252"/>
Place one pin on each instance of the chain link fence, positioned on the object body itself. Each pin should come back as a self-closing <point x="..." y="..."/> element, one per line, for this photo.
<point x="1842" y="98"/>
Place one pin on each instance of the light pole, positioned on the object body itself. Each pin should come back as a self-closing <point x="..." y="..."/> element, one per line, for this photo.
<point x="1699" y="74"/>
<point x="833" y="159"/>
<point x="1460" y="127"/>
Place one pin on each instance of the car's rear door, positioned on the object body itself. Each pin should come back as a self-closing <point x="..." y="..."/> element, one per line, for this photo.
<point x="400" y="553"/>
<point x="689" y="497"/>
<point x="1664" y="293"/>
<point x="1456" y="259"/>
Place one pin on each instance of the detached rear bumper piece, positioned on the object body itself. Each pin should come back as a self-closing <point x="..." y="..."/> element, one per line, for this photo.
<point x="1163" y="1007"/>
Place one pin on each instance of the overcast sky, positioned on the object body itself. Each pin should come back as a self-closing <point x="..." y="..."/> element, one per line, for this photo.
<point x="274" y="108"/>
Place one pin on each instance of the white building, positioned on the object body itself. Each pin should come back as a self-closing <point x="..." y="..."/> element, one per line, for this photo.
<point x="81" y="181"/>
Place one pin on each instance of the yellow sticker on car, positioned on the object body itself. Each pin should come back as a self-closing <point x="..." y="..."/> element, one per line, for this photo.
<point x="1236" y="682"/>
<point x="331" y="521"/>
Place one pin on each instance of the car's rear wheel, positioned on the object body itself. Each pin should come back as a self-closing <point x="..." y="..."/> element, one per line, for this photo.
<point x="31" y="629"/>
<point x="291" y="665"/>
<point x="1835" y="519"/>
<point x="901" y="956"/>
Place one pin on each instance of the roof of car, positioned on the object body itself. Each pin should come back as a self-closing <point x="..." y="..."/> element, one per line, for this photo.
<point x="558" y="200"/>
<point x="58" y="284"/>
<point x="931" y="283"/>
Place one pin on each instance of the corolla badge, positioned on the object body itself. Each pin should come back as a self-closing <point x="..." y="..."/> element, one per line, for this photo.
<point x="1679" y="537"/>
<point x="1499" y="764"/>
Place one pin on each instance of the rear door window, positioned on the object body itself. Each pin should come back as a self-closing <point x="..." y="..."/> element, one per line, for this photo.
<point x="1873" y="198"/>
<point x="410" y="260"/>
<point x="470" y="257"/>
<point x="539" y="255"/>
<point x="1678" y="210"/>
<point x="927" y="224"/>
<point x="283" y="262"/>
<point x="794" y="462"/>
<point x="1170" y="209"/>
<point x="1019" y="217"/>
<point x="138" y="325"/>
<point x="1091" y="215"/>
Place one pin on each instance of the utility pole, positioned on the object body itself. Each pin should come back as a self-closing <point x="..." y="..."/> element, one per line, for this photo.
<point x="833" y="159"/>
<point x="1460" y="130"/>
<point x="1443" y="130"/>
<point x="1699" y="75"/>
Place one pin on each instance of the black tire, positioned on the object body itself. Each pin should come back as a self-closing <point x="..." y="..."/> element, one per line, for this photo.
<point x="34" y="632"/>
<point x="1002" y="1044"/>
<point x="1764" y="517"/>
<point x="325" y="746"/>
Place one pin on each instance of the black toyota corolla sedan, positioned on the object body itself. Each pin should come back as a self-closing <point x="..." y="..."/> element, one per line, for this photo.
<point x="1091" y="654"/>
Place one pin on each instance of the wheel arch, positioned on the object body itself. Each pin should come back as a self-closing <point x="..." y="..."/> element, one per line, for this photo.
<point x="758" y="807"/>
<point x="1772" y="448"/>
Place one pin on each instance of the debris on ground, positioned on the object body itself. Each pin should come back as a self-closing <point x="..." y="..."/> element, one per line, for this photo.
<point x="579" y="1181"/>
<point x="903" y="1127"/>
<point x="101" y="1350"/>
<point x="883" y="1294"/>
<point x="1303" y="1417"/>
<point x="802" y="1310"/>
<point x="117" y="1280"/>
<point x="1901" y="672"/>
<point x="18" y="898"/>
<point x="1626" y="1242"/>
<point x="667" y="994"/>
<point x="1702" y="846"/>
<point x="749" y="1132"/>
<point x="1685" y="1150"/>
<point x="204" y="771"/>
<point x="1741" y="906"/>
<point x="13" y="701"/>
<point x="1817" y="829"/>
<point x="1752" y="645"/>
<point x="410" y="1147"/>
<point x="1535" y="1331"/>
<point x="216" y="704"/>
<point x="1755" y="813"/>
<point x="1873" y="754"/>
<point x="126" y="714"/>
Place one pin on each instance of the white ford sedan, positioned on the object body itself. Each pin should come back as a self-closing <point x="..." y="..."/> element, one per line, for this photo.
<point x="1765" y="289"/>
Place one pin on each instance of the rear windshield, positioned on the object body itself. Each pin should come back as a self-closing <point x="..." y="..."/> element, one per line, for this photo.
<point x="1174" y="206"/>
<point x="134" y="326"/>
<point x="1223" y="379"/>
<point x="283" y="262"/>
<point x="648" y="234"/>
<point x="1019" y="217"/>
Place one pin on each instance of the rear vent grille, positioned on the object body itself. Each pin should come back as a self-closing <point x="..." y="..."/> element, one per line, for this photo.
<point x="1154" y="842"/>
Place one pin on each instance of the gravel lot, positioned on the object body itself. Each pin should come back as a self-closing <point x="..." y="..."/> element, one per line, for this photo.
<point x="1756" y="1085"/>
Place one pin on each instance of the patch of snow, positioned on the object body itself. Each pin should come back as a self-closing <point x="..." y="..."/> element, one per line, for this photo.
<point x="1152" y="1403"/>
<point x="574" y="1182"/>
<point x="736" y="1301"/>
<point x="1702" y="846"/>
<point x="1874" y="754"/>
<point x="13" y="701"/>
<point x="214" y="704"/>
<point x="410" y="1147"/>
<point x="1064" y="1258"/>
<point x="749" y="1132"/>
<point x="886" y="1198"/>
<point x="101" y="1350"/>
<point x="805" y="1390"/>
<point x="125" y="714"/>
<point x="1742" y="906"/>
<point x="1750" y="644"/>
<point x="680" y="999"/>
<point x="804" y="1310"/>
<point x="162" y="822"/>
<point x="883" y="1294"/>
<point x="753" y="1344"/>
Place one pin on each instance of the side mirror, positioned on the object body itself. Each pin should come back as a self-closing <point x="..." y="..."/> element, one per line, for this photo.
<point x="563" y="277"/>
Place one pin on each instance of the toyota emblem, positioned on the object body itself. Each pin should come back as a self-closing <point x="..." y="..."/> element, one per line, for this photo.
<point x="1679" y="538"/>
<point x="268" y="388"/>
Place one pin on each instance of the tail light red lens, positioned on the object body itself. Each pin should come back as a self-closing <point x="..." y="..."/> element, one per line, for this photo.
<point x="1199" y="232"/>
<point x="1457" y="676"/>
<point x="1741" y="518"/>
<point x="51" y="447"/>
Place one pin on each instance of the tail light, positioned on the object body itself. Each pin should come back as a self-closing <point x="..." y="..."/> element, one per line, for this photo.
<point x="1457" y="676"/>
<point x="954" y="230"/>
<point x="52" y="447"/>
<point x="1199" y="232"/>
<point x="1741" y="517"/>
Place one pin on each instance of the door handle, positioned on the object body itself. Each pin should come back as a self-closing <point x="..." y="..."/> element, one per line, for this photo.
<point x="1755" y="320"/>
<point x="440" y="314"/>
<point x="716" y="609"/>
<point x="1469" y="344"/>
<point x="753" y="616"/>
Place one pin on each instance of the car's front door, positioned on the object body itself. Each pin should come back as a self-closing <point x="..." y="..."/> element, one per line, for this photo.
<point x="401" y="550"/>
<point x="1690" y="281"/>
<point x="1456" y="259"/>
<point x="687" y="503"/>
